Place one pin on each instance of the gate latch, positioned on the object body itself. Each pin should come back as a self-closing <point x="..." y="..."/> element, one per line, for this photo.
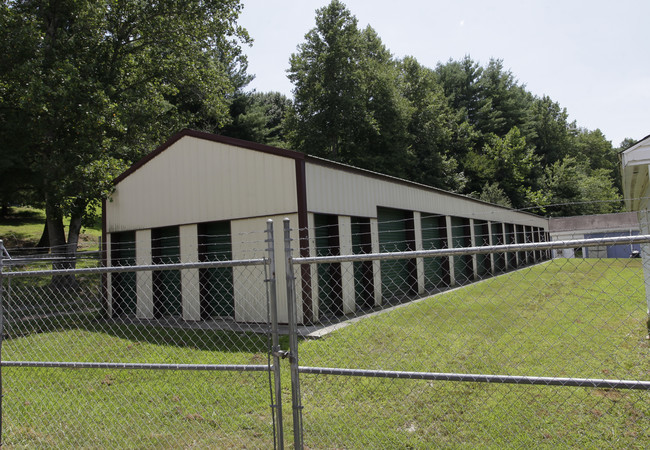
<point x="280" y="353"/>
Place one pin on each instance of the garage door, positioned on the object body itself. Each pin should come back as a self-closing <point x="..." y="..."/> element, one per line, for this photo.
<point x="482" y="239"/>
<point x="434" y="237"/>
<point x="215" y="244"/>
<point x="329" y="275"/>
<point x="397" y="276"/>
<point x="165" y="247"/>
<point x="497" y="239"/>
<point x="123" y="284"/>
<point x="461" y="237"/>
<point x="363" y="276"/>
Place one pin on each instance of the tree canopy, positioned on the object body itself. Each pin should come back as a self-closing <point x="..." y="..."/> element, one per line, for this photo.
<point x="462" y="126"/>
<point x="87" y="87"/>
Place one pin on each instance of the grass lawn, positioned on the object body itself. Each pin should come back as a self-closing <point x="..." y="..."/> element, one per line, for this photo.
<point x="24" y="225"/>
<point x="565" y="318"/>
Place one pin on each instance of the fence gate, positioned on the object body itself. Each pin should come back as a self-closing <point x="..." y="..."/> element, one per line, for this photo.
<point x="551" y="352"/>
<point x="80" y="370"/>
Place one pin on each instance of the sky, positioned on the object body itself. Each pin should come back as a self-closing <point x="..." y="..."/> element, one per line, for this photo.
<point x="590" y="56"/>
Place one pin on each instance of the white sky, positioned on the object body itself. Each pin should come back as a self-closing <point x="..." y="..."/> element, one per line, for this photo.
<point x="591" y="56"/>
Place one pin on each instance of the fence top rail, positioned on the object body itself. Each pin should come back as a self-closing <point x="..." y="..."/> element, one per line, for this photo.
<point x="507" y="248"/>
<point x="139" y="268"/>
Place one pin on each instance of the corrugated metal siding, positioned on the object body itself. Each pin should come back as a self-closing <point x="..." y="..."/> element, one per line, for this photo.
<point x="335" y="191"/>
<point x="195" y="181"/>
<point x="248" y="281"/>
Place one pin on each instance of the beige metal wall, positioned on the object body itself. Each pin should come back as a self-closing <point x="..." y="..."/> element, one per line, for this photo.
<point x="333" y="191"/>
<point x="211" y="181"/>
<point x="249" y="305"/>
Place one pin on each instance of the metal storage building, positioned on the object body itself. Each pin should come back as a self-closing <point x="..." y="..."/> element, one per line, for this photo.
<point x="595" y="226"/>
<point x="184" y="200"/>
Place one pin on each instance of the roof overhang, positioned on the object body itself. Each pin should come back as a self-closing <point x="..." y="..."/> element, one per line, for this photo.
<point x="634" y="166"/>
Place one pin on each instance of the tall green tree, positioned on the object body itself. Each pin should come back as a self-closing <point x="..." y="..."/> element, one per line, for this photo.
<point x="507" y="163"/>
<point x="553" y="134"/>
<point x="347" y="101"/>
<point x="258" y="117"/>
<point x="433" y="128"/>
<point x="94" y="84"/>
<point x="328" y="85"/>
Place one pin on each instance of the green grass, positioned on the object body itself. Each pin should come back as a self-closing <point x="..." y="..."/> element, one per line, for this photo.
<point x="24" y="225"/>
<point x="566" y="318"/>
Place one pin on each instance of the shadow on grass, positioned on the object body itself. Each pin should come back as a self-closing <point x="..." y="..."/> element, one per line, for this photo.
<point x="18" y="217"/>
<point x="204" y="339"/>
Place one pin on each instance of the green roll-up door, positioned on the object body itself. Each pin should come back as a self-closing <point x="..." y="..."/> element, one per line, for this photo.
<point x="433" y="238"/>
<point x="482" y="239"/>
<point x="166" y="248"/>
<point x="528" y="238"/>
<point x="217" y="292"/>
<point x="521" y="238"/>
<point x="397" y="277"/>
<point x="329" y="275"/>
<point x="511" y="240"/>
<point x="461" y="237"/>
<point x="363" y="275"/>
<point x="497" y="239"/>
<point x="123" y="284"/>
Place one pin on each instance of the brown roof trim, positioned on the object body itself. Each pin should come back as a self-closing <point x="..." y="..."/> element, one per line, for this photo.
<point x="209" y="137"/>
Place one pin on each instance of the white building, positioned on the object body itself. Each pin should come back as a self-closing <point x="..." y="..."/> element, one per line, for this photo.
<point x="636" y="190"/>
<point x="197" y="190"/>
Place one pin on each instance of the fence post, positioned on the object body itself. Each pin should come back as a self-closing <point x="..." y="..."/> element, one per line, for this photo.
<point x="275" y="338"/>
<point x="2" y="330"/>
<point x="293" y="339"/>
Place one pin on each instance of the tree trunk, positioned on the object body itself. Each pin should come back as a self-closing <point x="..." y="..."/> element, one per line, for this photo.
<point x="43" y="245"/>
<point x="5" y="209"/>
<point x="58" y="247"/>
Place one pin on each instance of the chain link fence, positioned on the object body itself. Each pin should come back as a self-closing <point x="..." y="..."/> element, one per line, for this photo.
<point x="483" y="346"/>
<point x="476" y="337"/>
<point x="137" y="356"/>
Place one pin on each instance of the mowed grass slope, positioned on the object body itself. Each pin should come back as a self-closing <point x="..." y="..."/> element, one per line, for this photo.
<point x="566" y="318"/>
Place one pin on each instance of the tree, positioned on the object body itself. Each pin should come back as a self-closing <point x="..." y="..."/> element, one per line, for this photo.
<point x="328" y="94"/>
<point x="95" y="84"/>
<point x="258" y="117"/>
<point x="433" y="128"/>
<point x="572" y="189"/>
<point x="510" y="161"/>
<point x="597" y="152"/>
<point x="492" y="193"/>
<point x="347" y="102"/>
<point x="553" y="134"/>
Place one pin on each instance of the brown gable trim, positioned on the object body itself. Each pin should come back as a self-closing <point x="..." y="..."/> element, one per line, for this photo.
<point x="213" y="138"/>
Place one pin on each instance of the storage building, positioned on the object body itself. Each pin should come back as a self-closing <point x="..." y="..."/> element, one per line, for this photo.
<point x="192" y="197"/>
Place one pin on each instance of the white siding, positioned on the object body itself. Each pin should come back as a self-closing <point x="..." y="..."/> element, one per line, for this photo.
<point x="196" y="180"/>
<point x="249" y="286"/>
<point x="332" y="191"/>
